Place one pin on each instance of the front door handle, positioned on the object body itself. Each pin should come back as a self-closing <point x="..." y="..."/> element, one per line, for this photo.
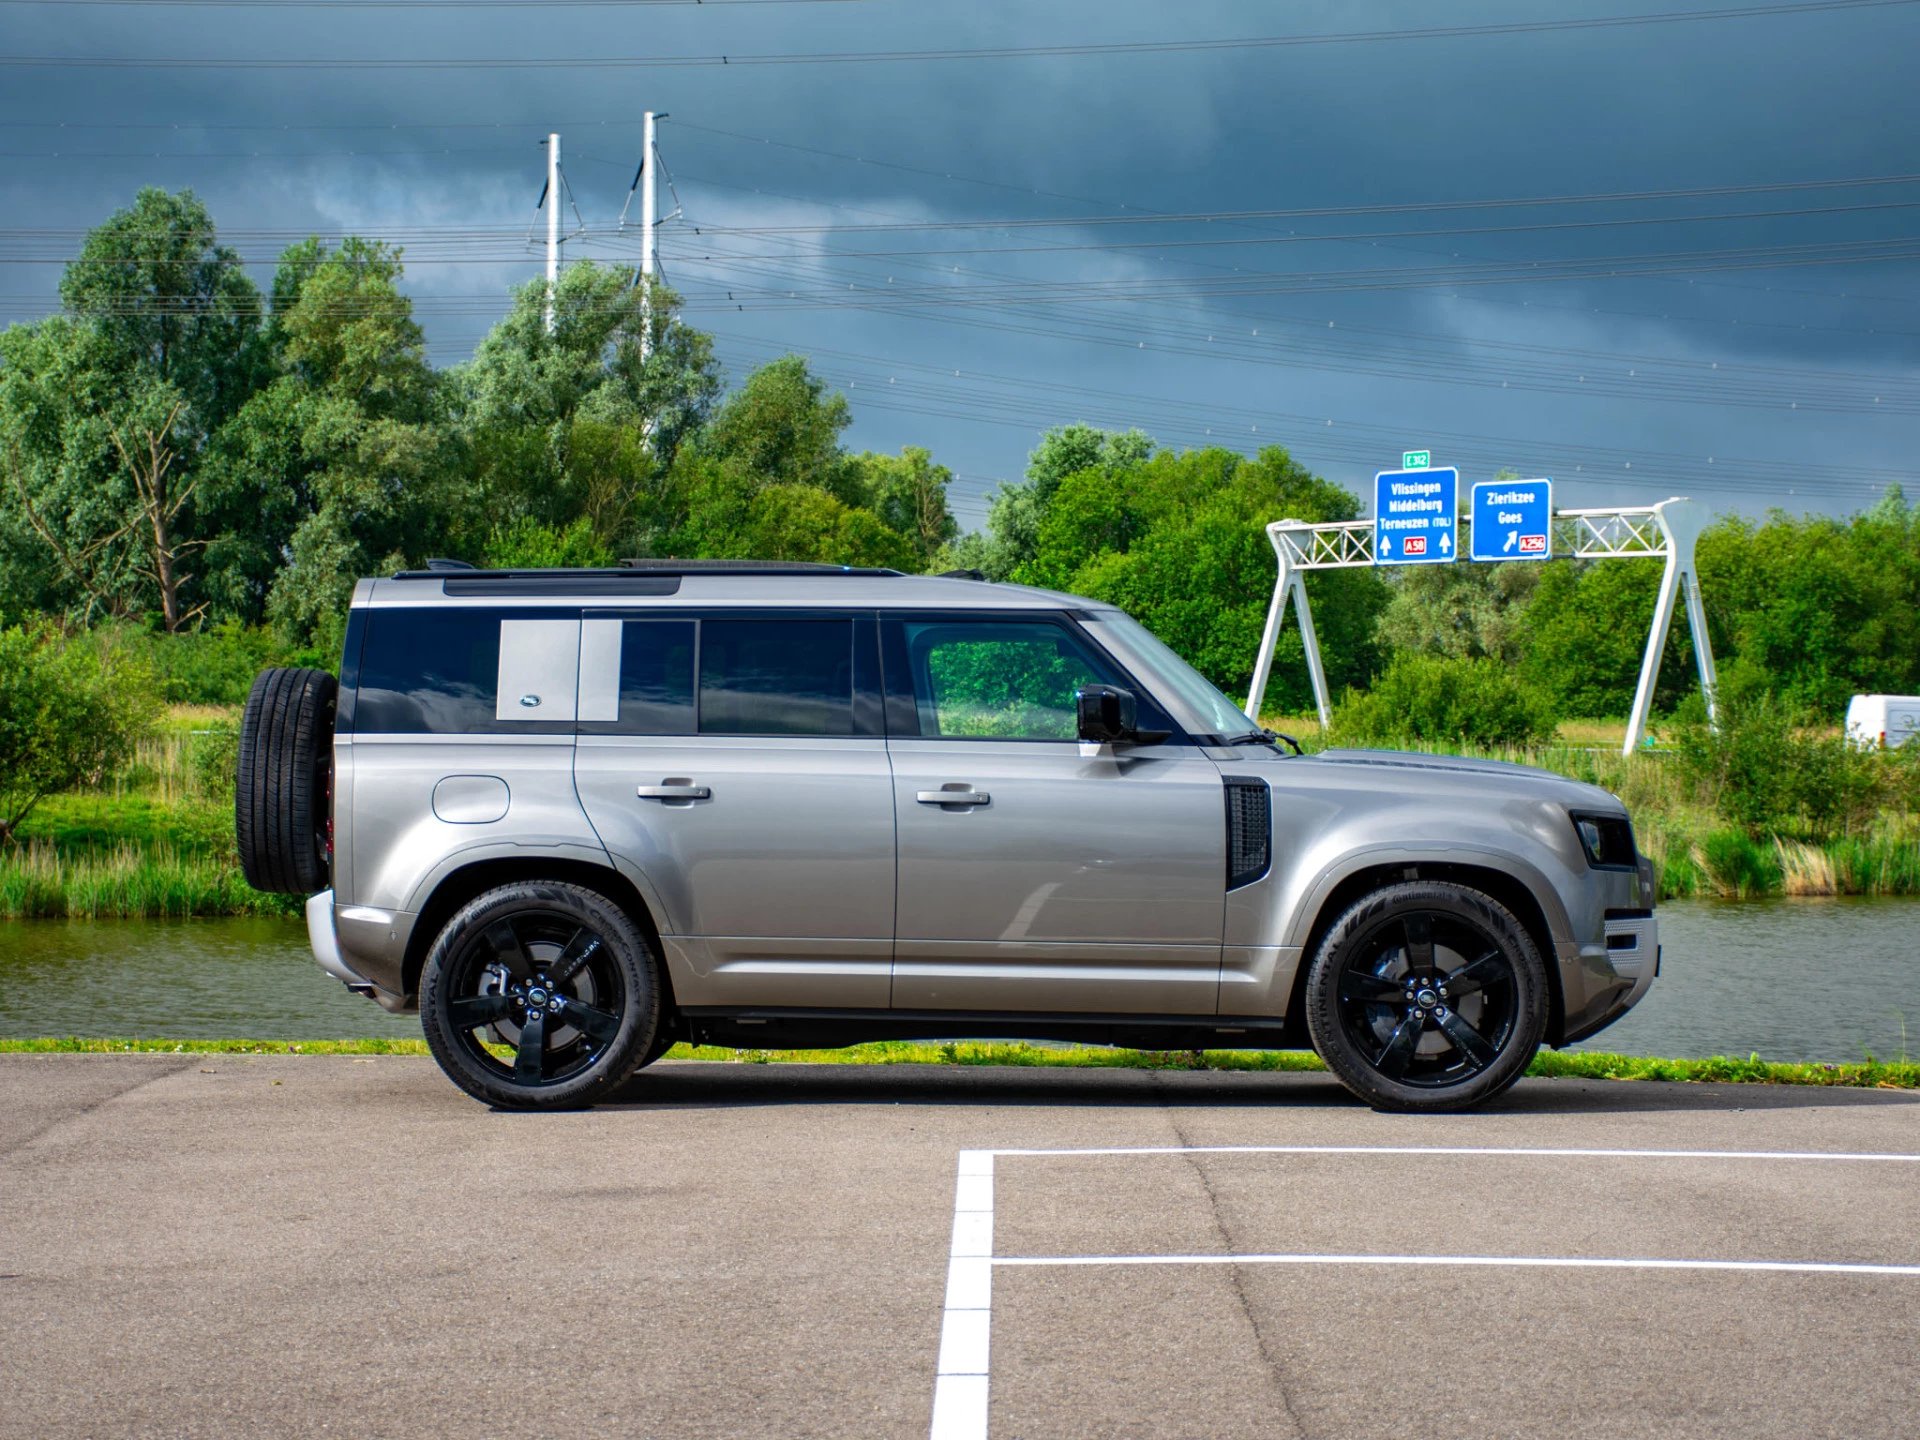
<point x="675" y="790"/>
<point x="954" y="797"/>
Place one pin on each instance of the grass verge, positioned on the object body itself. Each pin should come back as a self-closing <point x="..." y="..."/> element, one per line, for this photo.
<point x="1554" y="1064"/>
<point x="127" y="882"/>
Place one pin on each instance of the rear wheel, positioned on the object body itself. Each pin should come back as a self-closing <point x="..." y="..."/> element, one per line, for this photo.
<point x="1427" y="996"/>
<point x="540" y="995"/>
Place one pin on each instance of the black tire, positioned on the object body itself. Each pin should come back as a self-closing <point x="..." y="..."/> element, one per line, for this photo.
<point x="664" y="1039"/>
<point x="1427" y="996"/>
<point x="283" y="782"/>
<point x="540" y="948"/>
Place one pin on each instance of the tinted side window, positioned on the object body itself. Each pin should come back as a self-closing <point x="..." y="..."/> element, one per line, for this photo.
<point x="999" y="679"/>
<point x="428" y="672"/>
<point x="776" y="676"/>
<point x="655" y="679"/>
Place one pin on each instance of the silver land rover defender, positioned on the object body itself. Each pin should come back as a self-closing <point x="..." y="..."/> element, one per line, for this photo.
<point x="575" y="816"/>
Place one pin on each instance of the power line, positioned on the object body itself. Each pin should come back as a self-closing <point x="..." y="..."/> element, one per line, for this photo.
<point x="997" y="52"/>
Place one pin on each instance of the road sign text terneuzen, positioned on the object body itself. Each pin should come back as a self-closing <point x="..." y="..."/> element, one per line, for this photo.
<point x="1512" y="520"/>
<point x="1413" y="515"/>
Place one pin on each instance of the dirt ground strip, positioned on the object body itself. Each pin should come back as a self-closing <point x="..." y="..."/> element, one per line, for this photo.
<point x="215" y="1245"/>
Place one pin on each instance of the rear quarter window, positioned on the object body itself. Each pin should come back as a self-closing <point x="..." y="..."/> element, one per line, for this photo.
<point x="437" y="672"/>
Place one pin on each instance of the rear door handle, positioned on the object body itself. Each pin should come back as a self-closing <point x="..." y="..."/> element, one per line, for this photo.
<point x="680" y="790"/>
<point x="954" y="797"/>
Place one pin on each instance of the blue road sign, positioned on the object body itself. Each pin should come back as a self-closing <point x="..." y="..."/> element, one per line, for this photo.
<point x="1413" y="516"/>
<point x="1512" y="520"/>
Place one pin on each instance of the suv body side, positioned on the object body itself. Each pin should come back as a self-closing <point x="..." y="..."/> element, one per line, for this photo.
<point x="1091" y="881"/>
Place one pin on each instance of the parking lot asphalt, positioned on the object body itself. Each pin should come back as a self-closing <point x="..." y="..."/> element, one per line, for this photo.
<point x="215" y="1245"/>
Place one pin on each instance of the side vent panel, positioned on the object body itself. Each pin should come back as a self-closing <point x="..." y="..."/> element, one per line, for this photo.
<point x="1249" y="830"/>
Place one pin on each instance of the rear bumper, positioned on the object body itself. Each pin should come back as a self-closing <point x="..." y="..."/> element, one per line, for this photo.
<point x="323" y="937"/>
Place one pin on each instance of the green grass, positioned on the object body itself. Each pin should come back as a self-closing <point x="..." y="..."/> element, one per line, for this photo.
<point x="127" y="882"/>
<point x="1560" y="1064"/>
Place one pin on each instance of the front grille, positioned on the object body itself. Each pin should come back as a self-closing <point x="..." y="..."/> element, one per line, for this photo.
<point x="1249" y="830"/>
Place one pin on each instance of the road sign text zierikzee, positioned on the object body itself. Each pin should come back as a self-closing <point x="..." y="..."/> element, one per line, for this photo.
<point x="1413" y="516"/>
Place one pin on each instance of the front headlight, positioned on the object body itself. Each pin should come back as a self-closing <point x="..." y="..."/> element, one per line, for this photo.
<point x="1607" y="841"/>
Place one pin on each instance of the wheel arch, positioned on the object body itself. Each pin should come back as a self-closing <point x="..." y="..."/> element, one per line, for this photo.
<point x="471" y="880"/>
<point x="1340" y="889"/>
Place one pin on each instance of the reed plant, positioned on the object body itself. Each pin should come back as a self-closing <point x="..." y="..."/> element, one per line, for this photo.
<point x="127" y="882"/>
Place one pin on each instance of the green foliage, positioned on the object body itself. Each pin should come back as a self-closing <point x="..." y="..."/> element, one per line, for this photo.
<point x="908" y="492"/>
<point x="1178" y="541"/>
<point x="1826" y="608"/>
<point x="1463" y="611"/>
<point x="69" y="715"/>
<point x="782" y="426"/>
<point x="1766" y="770"/>
<point x="1455" y="701"/>
<point x="526" y="544"/>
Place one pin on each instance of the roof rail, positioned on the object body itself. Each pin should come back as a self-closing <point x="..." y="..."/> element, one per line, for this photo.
<point x="641" y="568"/>
<point x="655" y="566"/>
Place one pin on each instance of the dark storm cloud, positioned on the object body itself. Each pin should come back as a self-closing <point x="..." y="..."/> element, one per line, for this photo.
<point x="1733" y="102"/>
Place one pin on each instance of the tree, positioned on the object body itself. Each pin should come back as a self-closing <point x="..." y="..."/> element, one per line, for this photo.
<point x="169" y="299"/>
<point x="347" y="451"/>
<point x="1017" y="512"/>
<point x="908" y="492"/>
<point x="70" y="506"/>
<point x="575" y="422"/>
<point x="782" y="426"/>
<point x="69" y="714"/>
<point x="767" y="480"/>
<point x="105" y="415"/>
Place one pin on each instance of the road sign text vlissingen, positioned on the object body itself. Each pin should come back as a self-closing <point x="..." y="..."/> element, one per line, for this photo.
<point x="1413" y="515"/>
<point x="1512" y="520"/>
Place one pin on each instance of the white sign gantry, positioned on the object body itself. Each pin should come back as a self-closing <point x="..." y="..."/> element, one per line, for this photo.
<point x="1667" y="530"/>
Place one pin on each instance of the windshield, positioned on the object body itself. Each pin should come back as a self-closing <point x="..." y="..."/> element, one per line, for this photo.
<point x="1211" y="712"/>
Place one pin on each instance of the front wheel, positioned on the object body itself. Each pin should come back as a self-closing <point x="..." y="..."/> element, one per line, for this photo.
<point x="540" y="996"/>
<point x="1427" y="996"/>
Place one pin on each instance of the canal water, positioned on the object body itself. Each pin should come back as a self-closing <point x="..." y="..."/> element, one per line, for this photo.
<point x="1829" y="980"/>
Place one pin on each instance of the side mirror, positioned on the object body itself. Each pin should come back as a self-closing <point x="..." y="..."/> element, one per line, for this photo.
<point x="1106" y="712"/>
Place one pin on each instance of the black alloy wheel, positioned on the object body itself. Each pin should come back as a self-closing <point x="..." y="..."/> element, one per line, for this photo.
<point x="1427" y="996"/>
<point x="540" y="995"/>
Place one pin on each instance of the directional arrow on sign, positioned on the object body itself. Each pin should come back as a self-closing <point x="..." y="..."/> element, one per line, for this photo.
<point x="1446" y="543"/>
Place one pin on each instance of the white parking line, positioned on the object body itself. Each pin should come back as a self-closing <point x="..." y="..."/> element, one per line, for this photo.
<point x="1470" y="1150"/>
<point x="960" y="1380"/>
<point x="960" y="1389"/>
<point x="1570" y="1262"/>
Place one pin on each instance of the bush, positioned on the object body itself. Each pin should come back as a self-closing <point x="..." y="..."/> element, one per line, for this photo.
<point x="1425" y="698"/>
<point x="528" y="545"/>
<point x="213" y="759"/>
<point x="1766" y="771"/>
<point x="70" y="714"/>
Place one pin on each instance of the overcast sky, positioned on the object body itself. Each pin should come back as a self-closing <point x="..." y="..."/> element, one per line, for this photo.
<point x="1729" y="375"/>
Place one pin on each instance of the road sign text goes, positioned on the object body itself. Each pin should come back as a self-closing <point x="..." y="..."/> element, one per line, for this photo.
<point x="1512" y="520"/>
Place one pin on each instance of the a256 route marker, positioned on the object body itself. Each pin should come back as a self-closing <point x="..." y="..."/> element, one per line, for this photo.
<point x="1413" y="515"/>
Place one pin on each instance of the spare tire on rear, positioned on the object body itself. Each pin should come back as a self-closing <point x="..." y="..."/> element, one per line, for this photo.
<point x="283" y="786"/>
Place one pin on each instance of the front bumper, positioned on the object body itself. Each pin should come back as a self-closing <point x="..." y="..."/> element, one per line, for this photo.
<point x="1613" y="976"/>
<point x="324" y="939"/>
